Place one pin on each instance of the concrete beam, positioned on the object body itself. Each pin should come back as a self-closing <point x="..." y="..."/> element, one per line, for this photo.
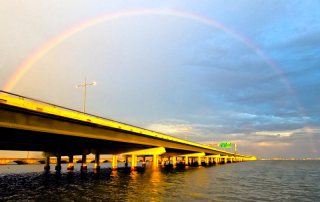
<point x="146" y="152"/>
<point x="201" y="154"/>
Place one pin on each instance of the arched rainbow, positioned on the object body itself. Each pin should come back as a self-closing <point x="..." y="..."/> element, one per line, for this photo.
<point x="41" y="51"/>
<point x="55" y="41"/>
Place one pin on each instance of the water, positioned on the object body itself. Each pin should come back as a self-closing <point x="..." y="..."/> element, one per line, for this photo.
<point x="247" y="181"/>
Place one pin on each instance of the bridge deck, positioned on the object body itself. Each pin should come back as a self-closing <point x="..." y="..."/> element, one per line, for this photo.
<point x="42" y="108"/>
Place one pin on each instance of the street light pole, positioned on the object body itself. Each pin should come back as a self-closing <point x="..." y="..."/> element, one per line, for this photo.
<point x="84" y="85"/>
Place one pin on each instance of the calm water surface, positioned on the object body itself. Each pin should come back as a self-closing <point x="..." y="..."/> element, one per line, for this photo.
<point x="247" y="181"/>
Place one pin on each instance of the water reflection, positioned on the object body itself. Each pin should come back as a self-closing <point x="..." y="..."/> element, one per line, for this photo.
<point x="253" y="181"/>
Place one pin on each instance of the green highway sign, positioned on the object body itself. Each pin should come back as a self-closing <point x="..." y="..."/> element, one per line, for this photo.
<point x="225" y="145"/>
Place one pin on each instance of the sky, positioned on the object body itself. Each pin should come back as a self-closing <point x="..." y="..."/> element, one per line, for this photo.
<point x="242" y="71"/>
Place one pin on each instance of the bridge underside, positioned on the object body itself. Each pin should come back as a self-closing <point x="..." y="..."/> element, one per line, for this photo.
<point x="32" y="131"/>
<point x="12" y="139"/>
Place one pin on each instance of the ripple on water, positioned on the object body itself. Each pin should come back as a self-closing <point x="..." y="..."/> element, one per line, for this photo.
<point x="252" y="181"/>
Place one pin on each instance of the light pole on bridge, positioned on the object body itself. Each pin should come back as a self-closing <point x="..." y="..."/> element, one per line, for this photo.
<point x="84" y="85"/>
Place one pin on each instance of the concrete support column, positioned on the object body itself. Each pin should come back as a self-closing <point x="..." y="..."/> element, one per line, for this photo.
<point x="47" y="164"/>
<point x="84" y="163"/>
<point x="133" y="161"/>
<point x="70" y="165"/>
<point x="186" y="160"/>
<point x="144" y="161"/>
<point x="162" y="161"/>
<point x="174" y="161"/>
<point x="58" y="165"/>
<point x="126" y="162"/>
<point x="114" y="162"/>
<point x="206" y="159"/>
<point x="199" y="160"/>
<point x="97" y="162"/>
<point x="225" y="160"/>
<point x="155" y="160"/>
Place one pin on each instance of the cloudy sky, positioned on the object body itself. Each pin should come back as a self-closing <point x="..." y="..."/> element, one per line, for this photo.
<point x="208" y="71"/>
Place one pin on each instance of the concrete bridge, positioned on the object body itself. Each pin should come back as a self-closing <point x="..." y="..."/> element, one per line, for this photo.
<point x="30" y="125"/>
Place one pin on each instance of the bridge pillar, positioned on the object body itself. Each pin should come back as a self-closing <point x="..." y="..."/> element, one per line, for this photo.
<point x="199" y="160"/>
<point x="206" y="160"/>
<point x="186" y="161"/>
<point x="126" y="161"/>
<point x="47" y="164"/>
<point x="97" y="162"/>
<point x="133" y="162"/>
<point x="163" y="162"/>
<point x="84" y="163"/>
<point x="174" y="161"/>
<point x="155" y="160"/>
<point x="114" y="162"/>
<point x="144" y="161"/>
<point x="58" y="165"/>
<point x="70" y="165"/>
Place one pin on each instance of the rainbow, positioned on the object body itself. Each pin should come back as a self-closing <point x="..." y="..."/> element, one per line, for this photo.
<point x="45" y="48"/>
<point x="40" y="52"/>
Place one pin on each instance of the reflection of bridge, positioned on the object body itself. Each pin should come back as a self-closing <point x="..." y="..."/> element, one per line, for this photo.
<point x="30" y="125"/>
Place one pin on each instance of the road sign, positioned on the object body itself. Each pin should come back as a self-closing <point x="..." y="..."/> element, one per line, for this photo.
<point x="225" y="145"/>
